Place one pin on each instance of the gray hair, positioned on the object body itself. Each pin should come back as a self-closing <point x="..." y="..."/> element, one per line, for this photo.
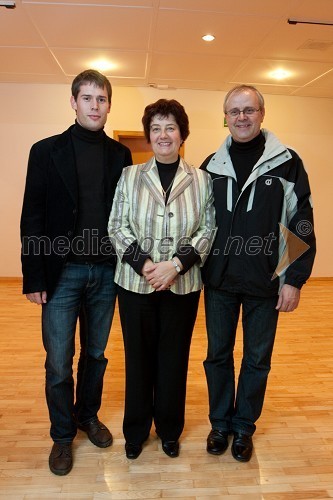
<point x="241" y="88"/>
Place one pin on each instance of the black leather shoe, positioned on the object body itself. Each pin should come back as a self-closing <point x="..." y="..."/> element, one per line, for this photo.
<point x="171" y="448"/>
<point x="217" y="442"/>
<point x="242" y="447"/>
<point x="60" y="459"/>
<point x="133" y="450"/>
<point x="97" y="432"/>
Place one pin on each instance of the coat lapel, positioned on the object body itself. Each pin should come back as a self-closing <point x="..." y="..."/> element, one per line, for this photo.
<point x="152" y="180"/>
<point x="114" y="161"/>
<point x="182" y="180"/>
<point x="64" y="161"/>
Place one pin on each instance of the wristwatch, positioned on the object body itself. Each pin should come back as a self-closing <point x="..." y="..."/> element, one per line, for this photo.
<point x="176" y="266"/>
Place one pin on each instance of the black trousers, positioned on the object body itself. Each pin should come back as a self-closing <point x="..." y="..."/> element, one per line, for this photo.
<point x="157" y="331"/>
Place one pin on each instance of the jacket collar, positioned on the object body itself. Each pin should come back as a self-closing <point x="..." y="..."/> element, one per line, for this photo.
<point x="64" y="161"/>
<point x="151" y="179"/>
<point x="275" y="153"/>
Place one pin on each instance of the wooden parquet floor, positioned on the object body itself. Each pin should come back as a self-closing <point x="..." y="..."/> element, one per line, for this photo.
<point x="293" y="457"/>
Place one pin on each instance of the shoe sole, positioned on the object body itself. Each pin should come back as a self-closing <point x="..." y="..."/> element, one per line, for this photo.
<point x="133" y="457"/>
<point x="96" y="443"/>
<point x="99" y="444"/>
<point x="171" y="455"/>
<point x="62" y="472"/>
<point x="240" y="459"/>
<point x="216" y="452"/>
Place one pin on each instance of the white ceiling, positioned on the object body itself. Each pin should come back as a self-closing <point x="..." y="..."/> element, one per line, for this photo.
<point x="158" y="43"/>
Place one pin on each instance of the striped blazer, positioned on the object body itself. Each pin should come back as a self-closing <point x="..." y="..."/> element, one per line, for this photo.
<point x="139" y="214"/>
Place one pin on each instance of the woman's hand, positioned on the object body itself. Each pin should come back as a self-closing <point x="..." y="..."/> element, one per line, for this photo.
<point x="161" y="275"/>
<point x="148" y="267"/>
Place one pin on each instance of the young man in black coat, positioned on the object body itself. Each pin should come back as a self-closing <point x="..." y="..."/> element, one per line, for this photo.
<point x="67" y="261"/>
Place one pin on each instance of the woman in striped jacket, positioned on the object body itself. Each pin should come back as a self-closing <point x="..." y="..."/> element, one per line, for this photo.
<point x="162" y="225"/>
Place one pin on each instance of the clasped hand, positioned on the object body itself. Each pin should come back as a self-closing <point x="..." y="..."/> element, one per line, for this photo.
<point x="161" y="275"/>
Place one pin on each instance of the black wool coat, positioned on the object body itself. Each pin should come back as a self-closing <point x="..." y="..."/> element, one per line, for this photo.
<point x="50" y="206"/>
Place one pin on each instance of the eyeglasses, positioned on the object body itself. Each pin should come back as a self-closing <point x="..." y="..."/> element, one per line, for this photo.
<point x="246" y="111"/>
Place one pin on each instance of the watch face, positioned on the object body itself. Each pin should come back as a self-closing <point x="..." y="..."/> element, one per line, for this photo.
<point x="176" y="266"/>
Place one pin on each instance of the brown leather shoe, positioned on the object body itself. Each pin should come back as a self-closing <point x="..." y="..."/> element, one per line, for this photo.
<point x="60" y="459"/>
<point x="97" y="432"/>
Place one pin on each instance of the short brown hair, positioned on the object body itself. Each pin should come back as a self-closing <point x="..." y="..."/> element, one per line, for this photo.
<point x="91" y="76"/>
<point x="164" y="108"/>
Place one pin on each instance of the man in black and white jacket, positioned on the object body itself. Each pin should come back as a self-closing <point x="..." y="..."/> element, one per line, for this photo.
<point x="262" y="255"/>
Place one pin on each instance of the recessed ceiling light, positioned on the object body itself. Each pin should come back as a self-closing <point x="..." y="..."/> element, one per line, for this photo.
<point x="208" y="38"/>
<point x="279" y="74"/>
<point x="102" y="65"/>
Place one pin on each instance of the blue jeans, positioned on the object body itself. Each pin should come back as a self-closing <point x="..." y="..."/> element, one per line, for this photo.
<point x="229" y="410"/>
<point x="88" y="292"/>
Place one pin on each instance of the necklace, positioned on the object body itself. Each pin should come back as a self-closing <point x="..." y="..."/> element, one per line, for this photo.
<point x="166" y="191"/>
<point x="166" y="173"/>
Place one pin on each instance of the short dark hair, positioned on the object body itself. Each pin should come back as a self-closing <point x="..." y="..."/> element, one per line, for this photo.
<point x="241" y="88"/>
<point x="91" y="76"/>
<point x="164" y="108"/>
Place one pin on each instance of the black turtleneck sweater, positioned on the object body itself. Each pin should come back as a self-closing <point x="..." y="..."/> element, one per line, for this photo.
<point x="244" y="155"/>
<point x="167" y="172"/>
<point x="91" y="224"/>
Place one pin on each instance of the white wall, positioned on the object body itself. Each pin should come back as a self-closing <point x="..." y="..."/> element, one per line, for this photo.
<point x="32" y="112"/>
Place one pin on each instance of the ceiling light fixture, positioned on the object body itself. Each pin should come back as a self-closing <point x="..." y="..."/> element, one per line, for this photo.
<point x="9" y="4"/>
<point x="208" y="38"/>
<point x="303" y="21"/>
<point x="279" y="74"/>
<point x="102" y="65"/>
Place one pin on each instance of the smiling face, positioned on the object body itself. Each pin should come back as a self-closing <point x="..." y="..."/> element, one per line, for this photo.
<point x="92" y="106"/>
<point x="244" y="128"/>
<point x="165" y="138"/>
